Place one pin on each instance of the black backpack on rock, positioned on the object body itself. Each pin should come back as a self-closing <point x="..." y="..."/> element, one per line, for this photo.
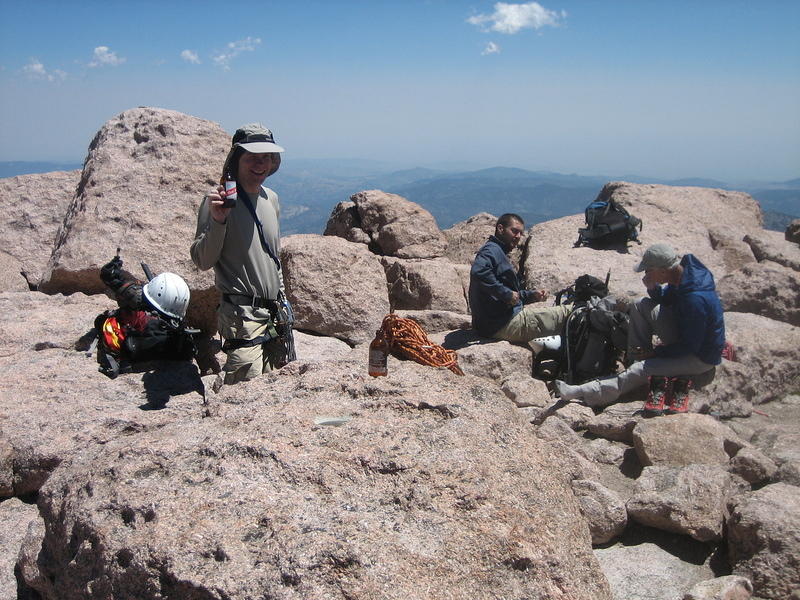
<point x="583" y="289"/>
<point x="607" y="224"/>
<point x="593" y="339"/>
<point x="126" y="337"/>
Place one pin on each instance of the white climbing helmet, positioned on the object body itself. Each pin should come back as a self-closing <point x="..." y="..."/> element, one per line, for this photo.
<point x="169" y="294"/>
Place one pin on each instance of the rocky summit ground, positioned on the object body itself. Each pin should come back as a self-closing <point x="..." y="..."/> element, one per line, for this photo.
<point x="318" y="481"/>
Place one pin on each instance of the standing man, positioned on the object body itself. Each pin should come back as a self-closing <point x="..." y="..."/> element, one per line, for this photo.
<point x="497" y="302"/>
<point x="242" y="243"/>
<point x="682" y="308"/>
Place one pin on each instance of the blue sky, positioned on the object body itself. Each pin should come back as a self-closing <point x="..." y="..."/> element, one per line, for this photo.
<point x="664" y="89"/>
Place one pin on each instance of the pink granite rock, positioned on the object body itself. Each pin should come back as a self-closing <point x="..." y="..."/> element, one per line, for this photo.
<point x="336" y="287"/>
<point x="144" y="178"/>
<point x="34" y="208"/>
<point x="393" y="225"/>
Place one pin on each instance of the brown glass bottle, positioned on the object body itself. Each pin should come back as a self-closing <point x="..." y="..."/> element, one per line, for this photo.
<point x="377" y="365"/>
<point x="229" y="196"/>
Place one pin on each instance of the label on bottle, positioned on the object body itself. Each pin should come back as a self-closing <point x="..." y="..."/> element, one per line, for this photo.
<point x="377" y="362"/>
<point x="230" y="189"/>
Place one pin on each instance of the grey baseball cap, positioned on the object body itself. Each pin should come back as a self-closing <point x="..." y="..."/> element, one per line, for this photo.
<point x="658" y="256"/>
<point x="254" y="137"/>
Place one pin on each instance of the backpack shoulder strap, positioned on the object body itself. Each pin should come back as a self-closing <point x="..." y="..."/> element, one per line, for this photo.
<point x="260" y="228"/>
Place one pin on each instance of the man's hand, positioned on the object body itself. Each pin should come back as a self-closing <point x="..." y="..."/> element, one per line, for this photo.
<point x="649" y="281"/>
<point x="514" y="298"/>
<point x="540" y="295"/>
<point x="215" y="202"/>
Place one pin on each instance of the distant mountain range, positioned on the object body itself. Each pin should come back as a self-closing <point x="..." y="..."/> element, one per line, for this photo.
<point x="309" y="189"/>
<point x="14" y="168"/>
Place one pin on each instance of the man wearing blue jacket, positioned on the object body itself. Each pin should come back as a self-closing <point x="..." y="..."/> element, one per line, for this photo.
<point x="497" y="302"/>
<point x="682" y="308"/>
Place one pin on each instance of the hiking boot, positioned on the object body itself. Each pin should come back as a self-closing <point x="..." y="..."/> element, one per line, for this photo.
<point x="678" y="400"/>
<point x="660" y="390"/>
<point x="729" y="352"/>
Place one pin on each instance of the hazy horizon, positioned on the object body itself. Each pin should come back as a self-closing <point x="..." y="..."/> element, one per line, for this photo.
<point x="664" y="90"/>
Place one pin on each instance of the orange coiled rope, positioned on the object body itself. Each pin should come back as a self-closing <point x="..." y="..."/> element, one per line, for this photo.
<point x="409" y="340"/>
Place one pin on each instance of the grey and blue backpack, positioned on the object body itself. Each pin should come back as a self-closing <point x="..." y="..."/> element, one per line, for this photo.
<point x="608" y="224"/>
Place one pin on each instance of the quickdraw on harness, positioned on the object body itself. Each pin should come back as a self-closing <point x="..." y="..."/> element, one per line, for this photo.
<point x="406" y="338"/>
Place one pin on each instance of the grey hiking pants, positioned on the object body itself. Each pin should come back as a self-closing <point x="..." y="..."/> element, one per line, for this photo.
<point x="646" y="319"/>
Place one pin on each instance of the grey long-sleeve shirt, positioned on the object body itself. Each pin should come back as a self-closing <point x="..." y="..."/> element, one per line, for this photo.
<point x="233" y="248"/>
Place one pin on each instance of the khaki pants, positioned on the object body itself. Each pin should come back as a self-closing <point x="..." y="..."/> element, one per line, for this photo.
<point x="245" y="323"/>
<point x="533" y="322"/>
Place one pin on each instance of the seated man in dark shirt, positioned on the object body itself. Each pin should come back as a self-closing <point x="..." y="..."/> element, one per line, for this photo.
<point x="500" y="308"/>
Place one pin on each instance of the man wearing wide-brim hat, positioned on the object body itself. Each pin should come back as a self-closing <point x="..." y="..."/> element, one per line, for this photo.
<point x="682" y="308"/>
<point x="241" y="240"/>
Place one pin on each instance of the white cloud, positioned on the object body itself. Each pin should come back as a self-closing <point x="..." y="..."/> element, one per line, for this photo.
<point x="190" y="57"/>
<point x="491" y="48"/>
<point x="234" y="49"/>
<point x="511" y="18"/>
<point x="36" y="70"/>
<point x="103" y="56"/>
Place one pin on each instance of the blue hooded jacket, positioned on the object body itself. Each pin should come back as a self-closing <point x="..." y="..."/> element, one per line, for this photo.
<point x="698" y="314"/>
<point x="492" y="280"/>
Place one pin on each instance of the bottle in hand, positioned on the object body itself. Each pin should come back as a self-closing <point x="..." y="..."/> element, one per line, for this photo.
<point x="229" y="195"/>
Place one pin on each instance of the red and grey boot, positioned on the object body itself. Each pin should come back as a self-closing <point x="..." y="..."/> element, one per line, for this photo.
<point x="678" y="401"/>
<point x="660" y="389"/>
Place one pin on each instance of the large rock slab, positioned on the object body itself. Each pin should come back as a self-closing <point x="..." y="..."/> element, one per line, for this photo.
<point x="54" y="402"/>
<point x="142" y="183"/>
<point x="766" y="368"/>
<point x="393" y="225"/>
<point x="319" y="348"/>
<point x="690" y="500"/>
<point x="770" y="352"/>
<point x="497" y="360"/>
<point x="314" y="482"/>
<point x="32" y="320"/>
<point x="336" y="287"/>
<point x="774" y="247"/>
<point x="764" y="540"/>
<point x="648" y="564"/>
<point x="680" y="216"/>
<point x="418" y="284"/>
<point x="766" y="288"/>
<point x="684" y="439"/>
<point x="33" y="209"/>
